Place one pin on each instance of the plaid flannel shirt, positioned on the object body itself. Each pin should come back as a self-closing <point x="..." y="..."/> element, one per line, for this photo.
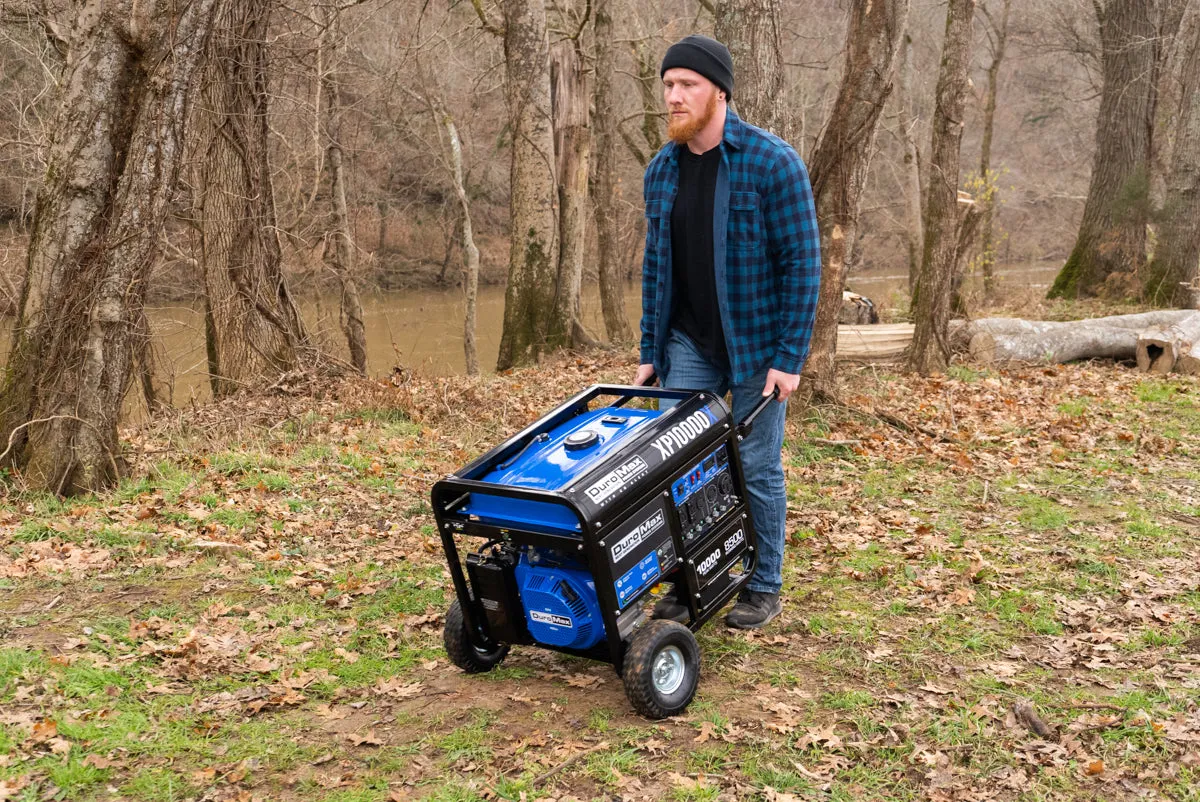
<point x="766" y="252"/>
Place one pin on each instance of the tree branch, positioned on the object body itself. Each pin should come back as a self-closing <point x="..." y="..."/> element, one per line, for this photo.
<point x="495" y="30"/>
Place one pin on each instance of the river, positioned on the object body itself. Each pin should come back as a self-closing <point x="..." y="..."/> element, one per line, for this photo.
<point x="422" y="329"/>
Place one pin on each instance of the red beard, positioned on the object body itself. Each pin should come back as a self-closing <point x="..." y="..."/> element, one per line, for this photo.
<point x="682" y="131"/>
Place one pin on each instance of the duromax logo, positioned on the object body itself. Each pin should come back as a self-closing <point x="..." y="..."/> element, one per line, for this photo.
<point x="613" y="482"/>
<point x="550" y="618"/>
<point x="635" y="538"/>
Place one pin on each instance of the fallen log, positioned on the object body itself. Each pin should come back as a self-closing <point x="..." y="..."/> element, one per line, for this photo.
<point x="1055" y="345"/>
<point x="961" y="331"/>
<point x="1160" y="348"/>
<point x="1005" y="339"/>
<point x="1189" y="361"/>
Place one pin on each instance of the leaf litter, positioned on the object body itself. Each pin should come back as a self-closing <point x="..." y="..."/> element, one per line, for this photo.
<point x="1000" y="546"/>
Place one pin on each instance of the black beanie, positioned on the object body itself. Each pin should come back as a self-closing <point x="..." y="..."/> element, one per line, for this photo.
<point x="706" y="56"/>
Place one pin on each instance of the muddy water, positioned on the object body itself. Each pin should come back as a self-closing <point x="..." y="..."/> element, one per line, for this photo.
<point x="422" y="329"/>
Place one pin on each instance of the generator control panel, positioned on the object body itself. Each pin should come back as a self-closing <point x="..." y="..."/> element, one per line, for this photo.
<point x="704" y="493"/>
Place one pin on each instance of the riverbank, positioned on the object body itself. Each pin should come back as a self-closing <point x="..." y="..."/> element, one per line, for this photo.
<point x="255" y="613"/>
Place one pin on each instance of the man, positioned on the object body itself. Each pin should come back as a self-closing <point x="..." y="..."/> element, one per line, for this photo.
<point x="729" y="283"/>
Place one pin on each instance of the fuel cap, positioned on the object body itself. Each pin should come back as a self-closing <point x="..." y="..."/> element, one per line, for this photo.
<point x="584" y="438"/>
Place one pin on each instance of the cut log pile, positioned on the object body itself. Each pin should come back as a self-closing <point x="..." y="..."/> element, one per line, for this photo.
<point x="1160" y="342"/>
<point x="882" y="342"/>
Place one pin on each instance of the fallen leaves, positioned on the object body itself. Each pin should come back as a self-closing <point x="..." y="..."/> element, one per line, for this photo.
<point x="368" y="738"/>
<point x="902" y="551"/>
<point x="584" y="680"/>
<point x="55" y="556"/>
<point x="935" y="689"/>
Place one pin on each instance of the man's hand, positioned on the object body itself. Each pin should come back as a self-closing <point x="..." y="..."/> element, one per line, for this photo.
<point x="644" y="372"/>
<point x="786" y="382"/>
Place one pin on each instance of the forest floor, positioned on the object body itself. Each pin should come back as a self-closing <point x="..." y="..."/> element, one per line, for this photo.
<point x="992" y="592"/>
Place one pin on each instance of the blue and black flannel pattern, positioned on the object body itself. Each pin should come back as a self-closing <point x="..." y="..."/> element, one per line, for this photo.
<point x="771" y="247"/>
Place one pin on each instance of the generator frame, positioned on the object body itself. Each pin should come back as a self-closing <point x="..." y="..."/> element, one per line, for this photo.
<point x="588" y="544"/>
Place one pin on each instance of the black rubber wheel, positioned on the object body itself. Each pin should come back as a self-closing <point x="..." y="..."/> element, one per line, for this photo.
<point x="462" y="652"/>
<point x="662" y="669"/>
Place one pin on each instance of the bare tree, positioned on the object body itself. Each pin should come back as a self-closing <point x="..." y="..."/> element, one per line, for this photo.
<point x="750" y="29"/>
<point x="112" y="165"/>
<point x="840" y="162"/>
<point x="339" y="243"/>
<point x="646" y="60"/>
<point x="1174" y="275"/>
<point x="1110" y="248"/>
<point x="253" y="325"/>
<point x="914" y="229"/>
<point x="529" y="301"/>
<point x="571" y="100"/>
<point x="930" y="350"/>
<point x="604" y="185"/>
<point x="997" y="33"/>
<point x="471" y="251"/>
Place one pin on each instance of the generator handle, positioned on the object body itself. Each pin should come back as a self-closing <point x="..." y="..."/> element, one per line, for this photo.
<point x="743" y="428"/>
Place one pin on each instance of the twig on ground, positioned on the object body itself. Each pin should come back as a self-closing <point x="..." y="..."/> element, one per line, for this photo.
<point x="572" y="760"/>
<point x="902" y="427"/>
<point x="912" y="428"/>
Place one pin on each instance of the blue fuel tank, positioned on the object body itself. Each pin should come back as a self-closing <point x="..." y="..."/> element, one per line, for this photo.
<point x="551" y="461"/>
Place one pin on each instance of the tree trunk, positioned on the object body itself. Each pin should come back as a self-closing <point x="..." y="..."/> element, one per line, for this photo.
<point x="604" y="187"/>
<point x="840" y="162"/>
<point x="471" y="277"/>
<point x="750" y="29"/>
<point x="647" y="60"/>
<point x="969" y="217"/>
<point x="571" y="101"/>
<point x="145" y="357"/>
<point x="1173" y="275"/>
<point x="1110" y="248"/>
<point x="987" y="245"/>
<point x="914" y="229"/>
<point x="930" y="351"/>
<point x="112" y="165"/>
<point x="381" y="236"/>
<point x="339" y="250"/>
<point x="255" y="327"/>
<point x="529" y="300"/>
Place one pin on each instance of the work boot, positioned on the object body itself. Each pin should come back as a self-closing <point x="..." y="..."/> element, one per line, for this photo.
<point x="754" y="609"/>
<point x="671" y="608"/>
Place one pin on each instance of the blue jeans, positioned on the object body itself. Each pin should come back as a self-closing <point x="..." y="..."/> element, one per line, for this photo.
<point x="762" y="451"/>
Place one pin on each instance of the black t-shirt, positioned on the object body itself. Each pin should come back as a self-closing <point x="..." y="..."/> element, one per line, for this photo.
<point x="693" y="274"/>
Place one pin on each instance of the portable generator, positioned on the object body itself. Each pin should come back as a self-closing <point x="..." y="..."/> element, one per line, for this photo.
<point x="584" y="513"/>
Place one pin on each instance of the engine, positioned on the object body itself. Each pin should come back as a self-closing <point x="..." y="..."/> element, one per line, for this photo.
<point x="559" y="597"/>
